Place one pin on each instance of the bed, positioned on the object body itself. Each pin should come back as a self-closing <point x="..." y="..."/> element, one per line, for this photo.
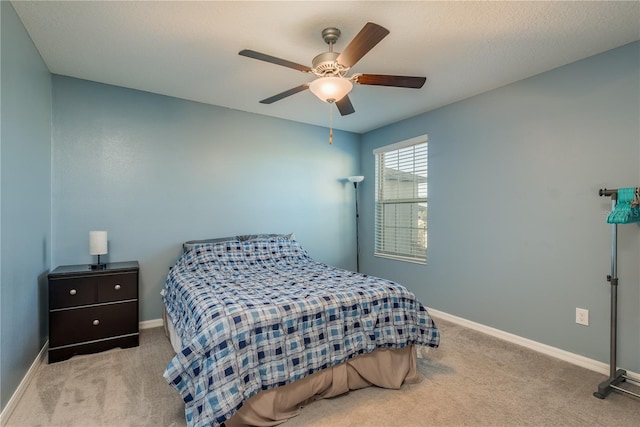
<point x="261" y="329"/>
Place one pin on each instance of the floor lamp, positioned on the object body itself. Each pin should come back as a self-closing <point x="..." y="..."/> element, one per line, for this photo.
<point x="356" y="180"/>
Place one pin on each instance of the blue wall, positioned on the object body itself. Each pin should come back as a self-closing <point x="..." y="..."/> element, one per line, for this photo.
<point x="25" y="220"/>
<point x="155" y="171"/>
<point x="517" y="231"/>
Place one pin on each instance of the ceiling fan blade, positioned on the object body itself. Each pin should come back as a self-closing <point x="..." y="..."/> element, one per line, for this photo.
<point x="284" y="94"/>
<point x="370" y="35"/>
<point x="386" y="80"/>
<point x="272" y="59"/>
<point x="344" y="106"/>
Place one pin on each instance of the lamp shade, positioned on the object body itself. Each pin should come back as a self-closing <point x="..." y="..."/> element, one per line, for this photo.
<point x="98" y="242"/>
<point x="357" y="178"/>
<point x="330" y="89"/>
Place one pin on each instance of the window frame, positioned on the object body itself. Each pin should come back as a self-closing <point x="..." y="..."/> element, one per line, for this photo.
<point x="380" y="201"/>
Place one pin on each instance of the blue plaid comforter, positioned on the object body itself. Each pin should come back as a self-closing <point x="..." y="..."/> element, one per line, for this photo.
<point x="260" y="314"/>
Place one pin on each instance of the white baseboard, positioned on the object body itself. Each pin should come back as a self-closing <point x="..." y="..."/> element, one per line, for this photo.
<point x="22" y="387"/>
<point x="574" y="359"/>
<point x="153" y="323"/>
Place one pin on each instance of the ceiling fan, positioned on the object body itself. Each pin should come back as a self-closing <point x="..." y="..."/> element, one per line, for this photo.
<point x="332" y="83"/>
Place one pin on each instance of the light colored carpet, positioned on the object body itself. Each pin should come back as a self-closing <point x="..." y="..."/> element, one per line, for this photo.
<point x="119" y="387"/>
<point x="471" y="380"/>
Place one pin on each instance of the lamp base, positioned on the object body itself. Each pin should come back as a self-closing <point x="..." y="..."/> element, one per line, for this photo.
<point x="101" y="266"/>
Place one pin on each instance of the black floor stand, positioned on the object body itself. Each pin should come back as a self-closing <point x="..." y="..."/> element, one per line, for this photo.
<point x="616" y="376"/>
<point x="613" y="383"/>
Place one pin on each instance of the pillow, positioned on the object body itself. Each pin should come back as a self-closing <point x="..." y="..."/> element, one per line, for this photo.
<point x="250" y="237"/>
<point x="192" y="243"/>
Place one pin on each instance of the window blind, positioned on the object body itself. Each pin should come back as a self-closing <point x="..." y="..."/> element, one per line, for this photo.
<point x="401" y="200"/>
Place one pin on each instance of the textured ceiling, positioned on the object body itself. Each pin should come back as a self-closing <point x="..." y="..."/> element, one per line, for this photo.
<point x="190" y="50"/>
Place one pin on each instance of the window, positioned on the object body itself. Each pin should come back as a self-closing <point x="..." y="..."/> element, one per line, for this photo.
<point x="401" y="200"/>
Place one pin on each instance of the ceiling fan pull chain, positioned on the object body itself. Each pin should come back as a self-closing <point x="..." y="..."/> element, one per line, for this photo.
<point x="330" y="123"/>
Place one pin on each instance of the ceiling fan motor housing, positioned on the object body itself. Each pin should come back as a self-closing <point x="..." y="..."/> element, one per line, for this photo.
<point x="325" y="64"/>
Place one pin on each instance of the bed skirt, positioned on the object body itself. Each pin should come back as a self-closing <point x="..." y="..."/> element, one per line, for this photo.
<point x="386" y="368"/>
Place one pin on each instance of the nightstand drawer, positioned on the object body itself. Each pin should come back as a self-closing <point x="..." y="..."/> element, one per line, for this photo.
<point x="72" y="292"/>
<point x="117" y="287"/>
<point x="92" y="323"/>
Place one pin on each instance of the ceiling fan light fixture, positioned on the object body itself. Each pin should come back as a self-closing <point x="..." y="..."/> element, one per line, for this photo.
<point x="331" y="89"/>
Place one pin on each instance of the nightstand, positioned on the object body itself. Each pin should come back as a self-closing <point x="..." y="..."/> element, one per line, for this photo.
<point x="92" y="310"/>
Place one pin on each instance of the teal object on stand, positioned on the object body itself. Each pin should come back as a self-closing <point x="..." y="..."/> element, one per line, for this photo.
<point x="627" y="209"/>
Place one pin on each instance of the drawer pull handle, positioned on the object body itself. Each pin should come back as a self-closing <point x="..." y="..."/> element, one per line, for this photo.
<point x="72" y="292"/>
<point x="96" y="322"/>
<point x="117" y="287"/>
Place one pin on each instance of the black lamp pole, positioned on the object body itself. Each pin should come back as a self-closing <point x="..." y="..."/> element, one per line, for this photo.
<point x="355" y="186"/>
<point x="356" y="180"/>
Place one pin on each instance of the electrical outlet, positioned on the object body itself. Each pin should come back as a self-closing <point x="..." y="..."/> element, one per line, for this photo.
<point x="582" y="316"/>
